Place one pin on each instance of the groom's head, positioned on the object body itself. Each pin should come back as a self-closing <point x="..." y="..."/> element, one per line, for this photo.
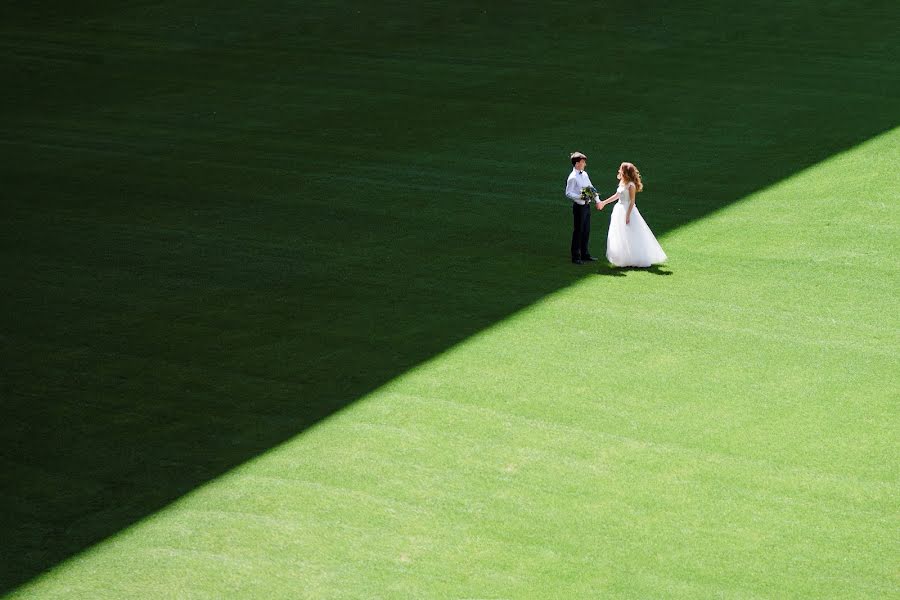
<point x="579" y="160"/>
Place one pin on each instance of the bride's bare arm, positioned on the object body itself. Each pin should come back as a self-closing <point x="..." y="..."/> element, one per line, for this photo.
<point x="631" y="194"/>
<point x="609" y="200"/>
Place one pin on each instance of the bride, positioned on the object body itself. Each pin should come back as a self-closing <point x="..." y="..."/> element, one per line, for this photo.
<point x="630" y="243"/>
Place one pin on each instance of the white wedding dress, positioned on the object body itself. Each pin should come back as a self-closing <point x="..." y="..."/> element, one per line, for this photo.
<point x="631" y="245"/>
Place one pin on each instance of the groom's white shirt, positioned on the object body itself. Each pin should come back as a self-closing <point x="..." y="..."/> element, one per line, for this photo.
<point x="577" y="181"/>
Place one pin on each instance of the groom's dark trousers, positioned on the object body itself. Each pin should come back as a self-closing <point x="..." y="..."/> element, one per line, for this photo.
<point x="581" y="230"/>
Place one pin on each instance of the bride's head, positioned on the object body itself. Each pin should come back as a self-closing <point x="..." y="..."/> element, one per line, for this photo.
<point x="628" y="173"/>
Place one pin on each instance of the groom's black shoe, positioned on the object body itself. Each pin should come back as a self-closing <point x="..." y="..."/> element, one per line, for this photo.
<point x="590" y="258"/>
<point x="577" y="261"/>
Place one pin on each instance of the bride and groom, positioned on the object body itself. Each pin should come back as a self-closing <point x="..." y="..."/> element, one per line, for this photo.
<point x="629" y="243"/>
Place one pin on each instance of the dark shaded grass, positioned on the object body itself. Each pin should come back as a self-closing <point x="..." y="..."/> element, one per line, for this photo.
<point x="223" y="224"/>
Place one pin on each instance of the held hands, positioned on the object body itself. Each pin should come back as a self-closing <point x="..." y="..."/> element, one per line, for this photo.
<point x="602" y="203"/>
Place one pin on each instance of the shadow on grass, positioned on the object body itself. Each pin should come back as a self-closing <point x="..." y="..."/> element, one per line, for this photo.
<point x="214" y="236"/>
<point x="614" y="271"/>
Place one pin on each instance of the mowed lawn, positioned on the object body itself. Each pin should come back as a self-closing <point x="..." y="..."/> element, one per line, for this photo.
<point x="287" y="309"/>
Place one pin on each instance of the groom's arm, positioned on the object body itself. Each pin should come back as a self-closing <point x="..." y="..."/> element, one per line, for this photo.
<point x="572" y="191"/>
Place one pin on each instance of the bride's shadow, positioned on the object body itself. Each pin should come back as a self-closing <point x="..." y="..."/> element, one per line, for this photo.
<point x="614" y="271"/>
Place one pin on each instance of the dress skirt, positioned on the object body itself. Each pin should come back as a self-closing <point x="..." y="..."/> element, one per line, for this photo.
<point x="631" y="245"/>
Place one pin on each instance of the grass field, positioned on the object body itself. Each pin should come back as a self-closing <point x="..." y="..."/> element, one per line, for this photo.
<point x="287" y="308"/>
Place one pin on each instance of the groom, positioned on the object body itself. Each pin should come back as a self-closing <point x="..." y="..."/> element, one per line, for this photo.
<point x="581" y="209"/>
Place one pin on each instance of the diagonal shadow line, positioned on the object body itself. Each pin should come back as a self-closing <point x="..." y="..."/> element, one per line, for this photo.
<point x="207" y="298"/>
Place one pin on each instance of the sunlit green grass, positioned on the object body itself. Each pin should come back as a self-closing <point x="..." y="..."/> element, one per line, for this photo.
<point x="725" y="426"/>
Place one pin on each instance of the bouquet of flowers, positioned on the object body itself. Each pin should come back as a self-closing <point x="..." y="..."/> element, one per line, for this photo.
<point x="589" y="194"/>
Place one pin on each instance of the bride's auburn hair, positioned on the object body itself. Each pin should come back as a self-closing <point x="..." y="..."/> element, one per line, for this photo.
<point x="631" y="174"/>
